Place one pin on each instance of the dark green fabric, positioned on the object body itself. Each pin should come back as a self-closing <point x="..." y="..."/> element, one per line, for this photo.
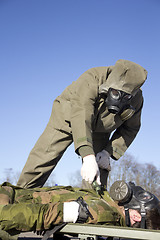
<point x="85" y="150"/>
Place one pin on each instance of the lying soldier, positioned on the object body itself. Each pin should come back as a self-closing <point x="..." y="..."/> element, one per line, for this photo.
<point x="40" y="209"/>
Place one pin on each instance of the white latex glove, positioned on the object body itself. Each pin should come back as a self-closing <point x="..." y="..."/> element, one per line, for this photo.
<point x="90" y="170"/>
<point x="103" y="160"/>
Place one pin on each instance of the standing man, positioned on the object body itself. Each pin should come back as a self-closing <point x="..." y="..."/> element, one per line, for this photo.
<point x="102" y="100"/>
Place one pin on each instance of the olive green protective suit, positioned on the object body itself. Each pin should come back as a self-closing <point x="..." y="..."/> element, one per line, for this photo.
<point x="80" y="115"/>
<point x="42" y="208"/>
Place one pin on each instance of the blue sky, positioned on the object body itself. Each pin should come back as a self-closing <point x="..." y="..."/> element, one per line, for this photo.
<point x="47" y="44"/>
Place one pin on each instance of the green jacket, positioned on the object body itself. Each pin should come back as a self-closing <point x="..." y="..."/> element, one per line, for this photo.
<point x="42" y="208"/>
<point x="81" y="109"/>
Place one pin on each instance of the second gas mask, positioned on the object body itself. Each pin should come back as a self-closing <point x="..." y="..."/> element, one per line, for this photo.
<point x="133" y="197"/>
<point x="117" y="101"/>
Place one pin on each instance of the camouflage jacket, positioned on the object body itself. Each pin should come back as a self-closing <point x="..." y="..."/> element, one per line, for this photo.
<point x="42" y="208"/>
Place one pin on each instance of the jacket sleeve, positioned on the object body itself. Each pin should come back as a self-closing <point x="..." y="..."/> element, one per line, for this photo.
<point x="126" y="133"/>
<point x="30" y="217"/>
<point x="82" y="109"/>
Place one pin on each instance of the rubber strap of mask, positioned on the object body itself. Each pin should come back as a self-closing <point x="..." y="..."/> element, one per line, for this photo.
<point x="127" y="217"/>
<point x="143" y="215"/>
<point x="143" y="222"/>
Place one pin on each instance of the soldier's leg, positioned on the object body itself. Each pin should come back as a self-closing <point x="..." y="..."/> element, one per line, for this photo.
<point x="44" y="156"/>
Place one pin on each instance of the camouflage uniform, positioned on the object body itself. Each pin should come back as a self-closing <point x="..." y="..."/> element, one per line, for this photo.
<point x="42" y="208"/>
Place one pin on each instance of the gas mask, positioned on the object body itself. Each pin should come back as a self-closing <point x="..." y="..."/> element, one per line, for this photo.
<point x="117" y="101"/>
<point x="133" y="197"/>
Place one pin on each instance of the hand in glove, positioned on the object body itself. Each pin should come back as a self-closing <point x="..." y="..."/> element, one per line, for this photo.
<point x="90" y="170"/>
<point x="103" y="160"/>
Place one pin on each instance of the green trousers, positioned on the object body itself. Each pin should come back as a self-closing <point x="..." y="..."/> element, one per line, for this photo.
<point x="44" y="156"/>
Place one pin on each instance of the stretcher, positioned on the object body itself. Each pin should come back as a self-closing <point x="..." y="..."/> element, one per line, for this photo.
<point x="93" y="232"/>
<point x="86" y="231"/>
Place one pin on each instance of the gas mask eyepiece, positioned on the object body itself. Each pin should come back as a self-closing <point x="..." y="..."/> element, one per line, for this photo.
<point x="117" y="100"/>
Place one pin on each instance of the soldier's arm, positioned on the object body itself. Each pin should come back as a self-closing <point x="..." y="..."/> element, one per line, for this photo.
<point x="126" y="133"/>
<point x="30" y="217"/>
<point x="82" y="109"/>
<point x="39" y="217"/>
